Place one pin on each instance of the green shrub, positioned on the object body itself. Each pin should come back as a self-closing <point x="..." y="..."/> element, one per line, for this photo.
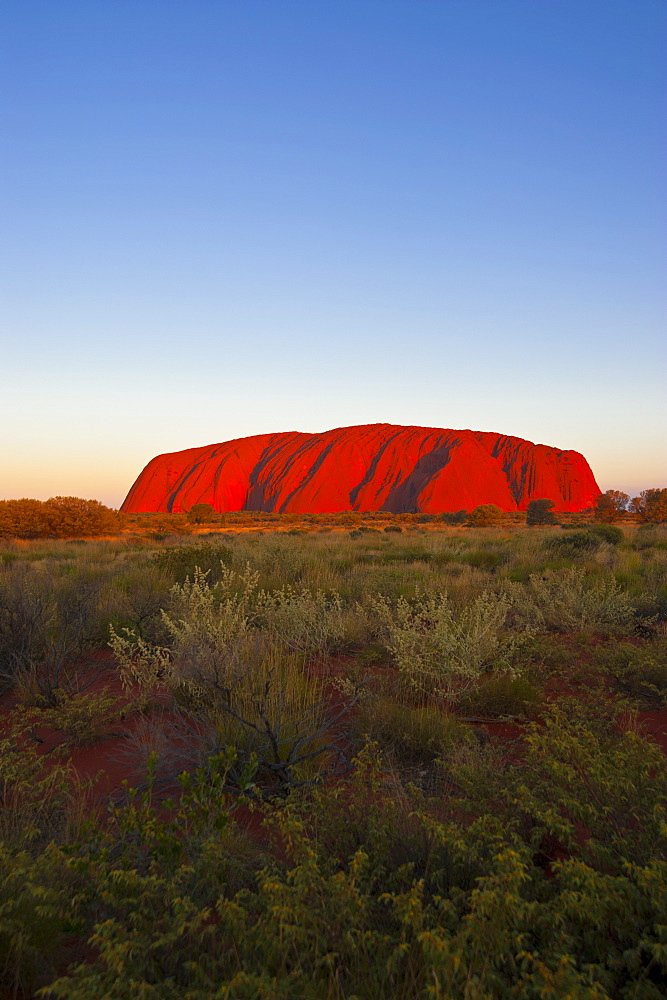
<point x="37" y="799"/>
<point x="576" y="543"/>
<point x="48" y="631"/>
<point x="640" y="672"/>
<point x="239" y="685"/>
<point x="442" y="653"/>
<point x="486" y="515"/>
<point x="541" y="512"/>
<point x="34" y="908"/>
<point x="504" y="695"/>
<point x="553" y="885"/>
<point x="201" y="513"/>
<point x="84" y="718"/>
<point x="550" y="654"/>
<point x="550" y="884"/>
<point x="411" y="733"/>
<point x="489" y="559"/>
<point x="302" y="620"/>
<point x="395" y="528"/>
<point x="455" y="518"/>
<point x="568" y="601"/>
<point x="609" y="533"/>
<point x="180" y="562"/>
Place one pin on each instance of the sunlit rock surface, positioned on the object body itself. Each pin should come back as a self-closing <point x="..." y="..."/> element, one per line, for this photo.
<point x="367" y="467"/>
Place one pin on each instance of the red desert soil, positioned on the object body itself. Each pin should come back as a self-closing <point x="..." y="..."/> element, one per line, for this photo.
<point x="110" y="762"/>
<point x="365" y="468"/>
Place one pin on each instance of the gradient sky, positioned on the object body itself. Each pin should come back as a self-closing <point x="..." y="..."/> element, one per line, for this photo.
<point x="230" y="217"/>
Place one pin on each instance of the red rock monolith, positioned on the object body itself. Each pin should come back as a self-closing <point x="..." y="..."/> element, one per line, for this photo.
<point x="365" y="468"/>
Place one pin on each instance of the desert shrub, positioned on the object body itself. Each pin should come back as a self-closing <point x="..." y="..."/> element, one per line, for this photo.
<point x="47" y="629"/>
<point x="501" y="696"/>
<point x="610" y="506"/>
<point x="34" y="896"/>
<point x="168" y="865"/>
<point x="377" y="897"/>
<point x="637" y="671"/>
<point x="84" y="718"/>
<point x="37" y="798"/>
<point x="302" y="620"/>
<point x="454" y="518"/>
<point x="609" y="533"/>
<point x="58" y="517"/>
<point x="410" y="733"/>
<point x="568" y="601"/>
<point x="201" y="513"/>
<point x="248" y="691"/>
<point x="394" y="528"/>
<point x="576" y="543"/>
<point x="651" y="506"/>
<point x="180" y="562"/>
<point x="208" y="629"/>
<point x="541" y="512"/>
<point x="486" y="515"/>
<point x="549" y="654"/>
<point x="442" y="653"/>
<point x="550" y="883"/>
<point x="275" y="713"/>
<point x="489" y="559"/>
<point x="141" y="592"/>
<point x="582" y="772"/>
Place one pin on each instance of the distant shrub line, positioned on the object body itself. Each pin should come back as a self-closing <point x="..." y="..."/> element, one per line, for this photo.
<point x="72" y="517"/>
<point x="58" y="517"/>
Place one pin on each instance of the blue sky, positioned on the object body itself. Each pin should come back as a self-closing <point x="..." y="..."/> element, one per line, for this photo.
<point x="225" y="218"/>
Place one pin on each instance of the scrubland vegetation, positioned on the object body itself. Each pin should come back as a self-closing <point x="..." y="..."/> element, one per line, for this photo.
<point x="359" y="763"/>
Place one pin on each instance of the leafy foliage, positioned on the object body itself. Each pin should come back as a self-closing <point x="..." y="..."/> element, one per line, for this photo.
<point x="485" y="515"/>
<point x="610" y="506"/>
<point x="471" y="860"/>
<point x="442" y="653"/>
<point x="554" y="885"/>
<point x="651" y="506"/>
<point x="640" y="672"/>
<point x="237" y="685"/>
<point x="567" y="601"/>
<point x="201" y="513"/>
<point x="541" y="512"/>
<point x="46" y="627"/>
<point x="58" y="517"/>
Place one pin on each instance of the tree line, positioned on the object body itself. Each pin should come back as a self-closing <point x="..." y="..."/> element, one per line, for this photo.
<point x="57" y="517"/>
<point x="74" y="517"/>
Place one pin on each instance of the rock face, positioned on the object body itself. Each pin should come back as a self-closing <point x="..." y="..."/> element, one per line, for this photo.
<point x="365" y="468"/>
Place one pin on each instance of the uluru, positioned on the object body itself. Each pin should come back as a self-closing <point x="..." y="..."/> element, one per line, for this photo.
<point x="369" y="467"/>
